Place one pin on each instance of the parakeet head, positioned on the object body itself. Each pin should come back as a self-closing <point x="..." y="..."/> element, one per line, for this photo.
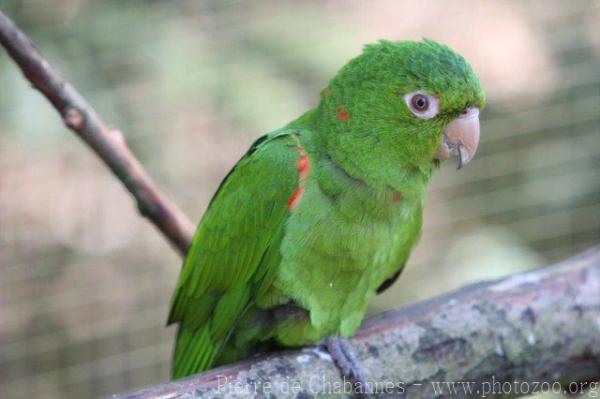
<point x="400" y="108"/>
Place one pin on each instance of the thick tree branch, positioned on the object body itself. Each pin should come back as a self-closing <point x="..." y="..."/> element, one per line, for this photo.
<point x="532" y="327"/>
<point x="107" y="142"/>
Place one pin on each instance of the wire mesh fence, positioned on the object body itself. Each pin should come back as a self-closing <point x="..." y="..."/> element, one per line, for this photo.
<point x="85" y="283"/>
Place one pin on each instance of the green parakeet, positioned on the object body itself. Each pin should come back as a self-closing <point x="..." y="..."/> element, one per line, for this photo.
<point x="320" y="214"/>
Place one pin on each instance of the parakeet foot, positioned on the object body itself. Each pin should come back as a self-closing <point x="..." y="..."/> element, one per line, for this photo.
<point x="343" y="355"/>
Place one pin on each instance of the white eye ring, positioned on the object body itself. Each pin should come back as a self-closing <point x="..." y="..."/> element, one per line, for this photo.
<point x="432" y="104"/>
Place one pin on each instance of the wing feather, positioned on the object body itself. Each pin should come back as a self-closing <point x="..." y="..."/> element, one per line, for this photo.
<point x="226" y="263"/>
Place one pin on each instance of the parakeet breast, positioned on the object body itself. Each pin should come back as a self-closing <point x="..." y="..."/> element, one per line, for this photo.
<point x="343" y="238"/>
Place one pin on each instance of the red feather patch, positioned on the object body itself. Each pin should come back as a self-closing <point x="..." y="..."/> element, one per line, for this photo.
<point x="342" y="114"/>
<point x="303" y="166"/>
<point x="295" y="197"/>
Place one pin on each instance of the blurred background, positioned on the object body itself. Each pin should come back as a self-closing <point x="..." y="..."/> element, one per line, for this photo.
<point x="85" y="282"/>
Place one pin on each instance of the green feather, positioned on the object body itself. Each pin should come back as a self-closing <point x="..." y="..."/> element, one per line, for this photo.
<point x="223" y="267"/>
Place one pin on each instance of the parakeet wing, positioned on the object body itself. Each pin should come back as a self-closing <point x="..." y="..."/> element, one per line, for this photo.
<point x="226" y="264"/>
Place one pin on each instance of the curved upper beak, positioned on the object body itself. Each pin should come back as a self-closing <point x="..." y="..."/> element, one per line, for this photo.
<point x="460" y="138"/>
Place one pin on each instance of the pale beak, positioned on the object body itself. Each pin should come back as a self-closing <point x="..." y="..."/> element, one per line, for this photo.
<point x="461" y="138"/>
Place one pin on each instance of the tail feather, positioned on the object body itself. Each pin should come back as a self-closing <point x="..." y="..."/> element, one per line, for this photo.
<point x="194" y="352"/>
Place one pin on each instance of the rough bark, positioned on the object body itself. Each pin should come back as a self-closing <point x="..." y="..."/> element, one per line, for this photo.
<point x="108" y="143"/>
<point x="538" y="331"/>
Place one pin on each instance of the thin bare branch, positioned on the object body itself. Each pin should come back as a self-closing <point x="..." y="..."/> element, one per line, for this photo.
<point x="107" y="142"/>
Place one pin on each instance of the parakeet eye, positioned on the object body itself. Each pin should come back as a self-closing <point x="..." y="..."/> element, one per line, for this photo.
<point x="423" y="105"/>
<point x="419" y="102"/>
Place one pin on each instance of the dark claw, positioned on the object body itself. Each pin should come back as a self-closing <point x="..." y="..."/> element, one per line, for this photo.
<point x="343" y="355"/>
